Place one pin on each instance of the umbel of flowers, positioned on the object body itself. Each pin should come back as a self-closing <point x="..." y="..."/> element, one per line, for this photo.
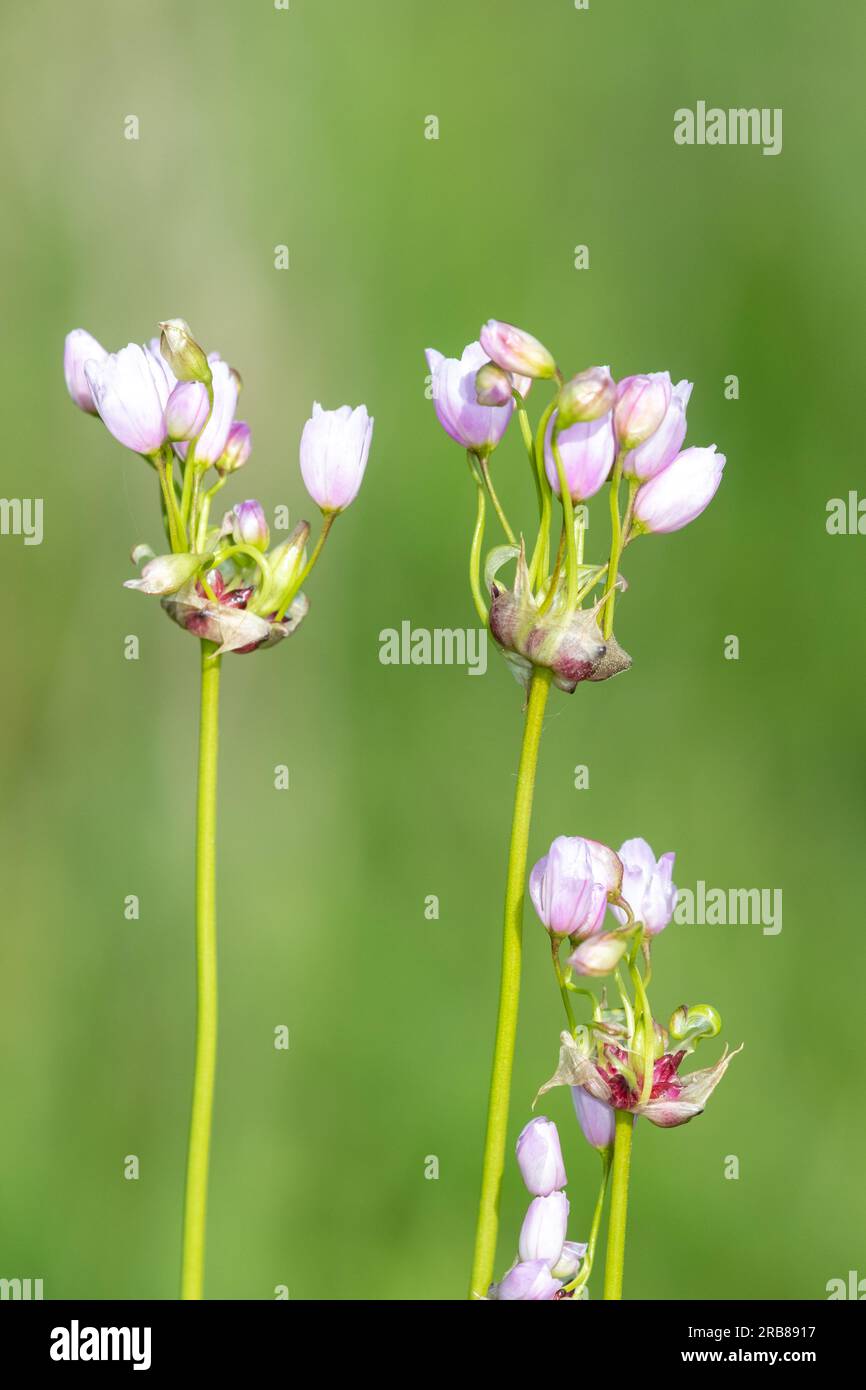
<point x="605" y="909"/>
<point x="559" y="612"/>
<point x="220" y="580"/>
<point x="176" y="405"/>
<point x="554" y="620"/>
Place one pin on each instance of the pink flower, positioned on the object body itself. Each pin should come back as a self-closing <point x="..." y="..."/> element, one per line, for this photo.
<point x="587" y="450"/>
<point x="596" y="1118"/>
<point x="539" y="1157"/>
<point x="599" y="954"/>
<point x="130" y="391"/>
<point x="641" y="405"/>
<point x="335" y="447"/>
<point x="566" y="893"/>
<point x="664" y="444"/>
<point x="542" y="1234"/>
<point x="680" y="492"/>
<point x="529" y="1282"/>
<point x="455" y="400"/>
<point x="79" y="349"/>
<point x="515" y="350"/>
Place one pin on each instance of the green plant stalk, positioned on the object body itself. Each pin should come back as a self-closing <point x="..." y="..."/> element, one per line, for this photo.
<point x="618" y="1206"/>
<point x="586" y="1270"/>
<point x="541" y="552"/>
<point x="328" y="519"/>
<point x="509" y="991"/>
<point x="477" y="543"/>
<point x="484" y="465"/>
<point x="195" y="1206"/>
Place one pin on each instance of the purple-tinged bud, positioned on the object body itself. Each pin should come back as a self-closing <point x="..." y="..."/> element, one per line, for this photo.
<point x="665" y="443"/>
<point x="530" y="1282"/>
<point x="493" y="386"/>
<point x="79" y="349"/>
<point x="641" y="405"/>
<point x="689" y="1025"/>
<point x="516" y="351"/>
<point x="647" y="885"/>
<point x="187" y="359"/>
<point x="474" y="426"/>
<point x="249" y="525"/>
<point x="680" y="492"/>
<point x="542" y="1234"/>
<point x="595" y="1117"/>
<point x="238" y="449"/>
<point x="130" y="391"/>
<point x="587" y="452"/>
<point x="568" y="898"/>
<point x="165" y="574"/>
<point x="568" y="1265"/>
<point x="598" y="955"/>
<point x="539" y="1157"/>
<point x="335" y="446"/>
<point x="187" y="410"/>
<point x="586" y="397"/>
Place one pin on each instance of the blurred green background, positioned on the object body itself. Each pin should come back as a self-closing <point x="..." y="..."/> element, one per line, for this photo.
<point x="305" y="127"/>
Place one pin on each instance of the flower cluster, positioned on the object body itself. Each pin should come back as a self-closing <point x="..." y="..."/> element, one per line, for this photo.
<point x="594" y="430"/>
<point x="623" y="1059"/>
<point x="176" y="405"/>
<point x="548" y="1265"/>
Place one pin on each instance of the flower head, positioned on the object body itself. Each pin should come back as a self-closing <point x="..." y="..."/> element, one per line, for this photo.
<point x="641" y="405"/>
<point x="663" y="445"/>
<point x="539" y="1157"/>
<point x="515" y="350"/>
<point x="130" y="391"/>
<point x="680" y="492"/>
<point x="647" y="885"/>
<point x="79" y="349"/>
<point x="587" y="450"/>
<point x="568" y="897"/>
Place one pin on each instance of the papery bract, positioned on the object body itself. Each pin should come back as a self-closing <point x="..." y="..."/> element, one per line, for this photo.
<point x="542" y="1234"/>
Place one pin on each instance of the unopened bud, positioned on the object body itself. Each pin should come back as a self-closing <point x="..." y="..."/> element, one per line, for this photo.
<point x="598" y="955"/>
<point x="588" y="396"/>
<point x="516" y="351"/>
<point x="187" y="410"/>
<point x="187" y="359"/>
<point x="492" y="385"/>
<point x="690" y="1024"/>
<point x="238" y="448"/>
<point x="249" y="525"/>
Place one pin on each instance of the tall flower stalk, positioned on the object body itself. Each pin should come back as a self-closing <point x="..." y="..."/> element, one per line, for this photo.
<point x="555" y="624"/>
<point x="175" y="405"/>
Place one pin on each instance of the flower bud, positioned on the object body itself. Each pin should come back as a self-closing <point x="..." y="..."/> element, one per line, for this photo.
<point x="249" y="526"/>
<point x="130" y="391"/>
<point x="529" y="1282"/>
<point x="335" y="446"/>
<point x="665" y="443"/>
<point x="539" y="1157"/>
<point x="238" y="448"/>
<point x="187" y="410"/>
<point x="598" y="955"/>
<point x="690" y="1024"/>
<point x="183" y="354"/>
<point x="542" y="1234"/>
<point x="587" y="450"/>
<point x="492" y="385"/>
<point x="570" y="1259"/>
<point x="285" y="561"/>
<point x="565" y="893"/>
<point x="165" y="574"/>
<point x="680" y="492"/>
<point x="586" y="397"/>
<point x="476" y="427"/>
<point x="79" y="349"/>
<point x="595" y="1117"/>
<point x="516" y="351"/>
<point x="641" y="405"/>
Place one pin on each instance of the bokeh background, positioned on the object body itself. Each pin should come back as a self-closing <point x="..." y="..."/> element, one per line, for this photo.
<point x="305" y="127"/>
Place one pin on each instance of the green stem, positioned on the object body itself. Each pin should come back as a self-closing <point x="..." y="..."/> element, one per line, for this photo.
<point x="572" y="580"/>
<point x="586" y="1269"/>
<point x="509" y="991"/>
<point x="555" y="944"/>
<point x="618" y="1206"/>
<point x="477" y="542"/>
<point x="327" y="522"/>
<point x="541" y="554"/>
<point x="615" y="545"/>
<point x="497" y="505"/>
<point x="195" y="1208"/>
